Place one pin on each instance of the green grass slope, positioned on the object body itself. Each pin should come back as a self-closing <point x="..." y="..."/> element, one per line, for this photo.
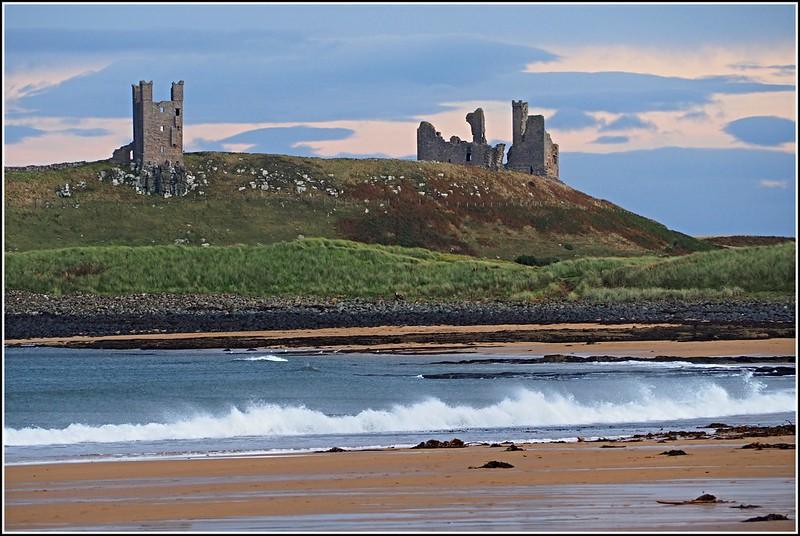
<point x="254" y="199"/>
<point x="338" y="268"/>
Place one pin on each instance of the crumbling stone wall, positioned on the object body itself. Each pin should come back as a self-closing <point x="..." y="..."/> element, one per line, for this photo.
<point x="123" y="155"/>
<point x="533" y="150"/>
<point x="47" y="167"/>
<point x="432" y="146"/>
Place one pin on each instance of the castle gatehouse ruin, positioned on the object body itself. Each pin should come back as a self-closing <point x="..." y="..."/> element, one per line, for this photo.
<point x="156" y="152"/>
<point x="532" y="150"/>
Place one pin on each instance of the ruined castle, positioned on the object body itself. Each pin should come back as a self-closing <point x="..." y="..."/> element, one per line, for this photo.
<point x="532" y="150"/>
<point x="157" y="128"/>
<point x="431" y="145"/>
<point x="156" y="152"/>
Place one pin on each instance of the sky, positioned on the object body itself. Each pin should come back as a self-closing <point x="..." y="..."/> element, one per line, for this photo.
<point x="682" y="113"/>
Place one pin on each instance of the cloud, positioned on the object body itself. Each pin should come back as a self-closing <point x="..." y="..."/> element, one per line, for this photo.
<point x="762" y="130"/>
<point x="784" y="70"/>
<point x="29" y="81"/>
<point x="86" y="132"/>
<point x="611" y="139"/>
<point x="357" y="78"/>
<point x="277" y="140"/>
<point x="623" y="93"/>
<point x="773" y="184"/>
<point x="695" y="116"/>
<point x="696" y="191"/>
<point x="627" y="122"/>
<point x="676" y="61"/>
<point x="571" y="119"/>
<point x="576" y="25"/>
<point x="17" y="133"/>
<point x="374" y="155"/>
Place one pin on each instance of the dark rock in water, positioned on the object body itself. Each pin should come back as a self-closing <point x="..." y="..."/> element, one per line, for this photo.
<point x="252" y="350"/>
<point x="768" y="517"/>
<point x="706" y="497"/>
<point x="612" y="446"/>
<point x="494" y="464"/>
<point x="673" y="453"/>
<point x="746" y="506"/>
<point x="736" y="432"/>
<point x="335" y="449"/>
<point x="758" y="446"/>
<point x="455" y="443"/>
<point x="513" y="448"/>
<point x="717" y="425"/>
<point x="494" y="445"/>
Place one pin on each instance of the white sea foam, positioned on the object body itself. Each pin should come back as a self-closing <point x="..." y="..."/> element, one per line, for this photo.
<point x="524" y="408"/>
<point x="269" y="357"/>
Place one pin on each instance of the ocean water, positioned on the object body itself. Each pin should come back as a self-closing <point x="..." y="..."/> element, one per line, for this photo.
<point x="71" y="404"/>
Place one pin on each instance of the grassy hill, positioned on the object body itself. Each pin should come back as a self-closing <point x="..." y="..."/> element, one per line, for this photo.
<point x="256" y="199"/>
<point x="739" y="241"/>
<point x="339" y="268"/>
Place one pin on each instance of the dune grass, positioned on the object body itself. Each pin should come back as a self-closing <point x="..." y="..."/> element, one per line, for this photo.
<point x="752" y="269"/>
<point x="321" y="267"/>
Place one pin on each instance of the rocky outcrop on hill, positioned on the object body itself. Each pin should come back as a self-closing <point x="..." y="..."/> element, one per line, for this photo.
<point x="166" y="181"/>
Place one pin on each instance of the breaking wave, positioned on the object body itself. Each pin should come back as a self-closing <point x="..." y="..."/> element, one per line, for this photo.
<point x="263" y="358"/>
<point x="525" y="408"/>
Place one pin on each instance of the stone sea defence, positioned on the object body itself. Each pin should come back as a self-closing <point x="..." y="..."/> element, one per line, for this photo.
<point x="37" y="315"/>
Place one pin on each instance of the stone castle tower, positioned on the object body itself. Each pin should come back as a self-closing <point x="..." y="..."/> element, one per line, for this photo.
<point x="157" y="129"/>
<point x="156" y="152"/>
<point x="157" y="126"/>
<point x="532" y="150"/>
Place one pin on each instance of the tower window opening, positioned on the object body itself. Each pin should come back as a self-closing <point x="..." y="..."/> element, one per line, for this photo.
<point x="469" y="157"/>
<point x="162" y="128"/>
<point x="161" y="108"/>
<point x="177" y="112"/>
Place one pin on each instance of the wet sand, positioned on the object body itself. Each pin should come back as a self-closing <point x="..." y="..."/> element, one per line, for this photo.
<point x="585" y="338"/>
<point x="572" y="486"/>
<point x="326" y="332"/>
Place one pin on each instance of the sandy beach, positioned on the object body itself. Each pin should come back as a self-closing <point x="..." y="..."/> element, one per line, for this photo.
<point x="612" y="486"/>
<point x="582" y="338"/>
<point x="425" y="487"/>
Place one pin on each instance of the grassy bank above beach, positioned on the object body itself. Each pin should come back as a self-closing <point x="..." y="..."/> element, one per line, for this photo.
<point x="255" y="199"/>
<point x="339" y="268"/>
